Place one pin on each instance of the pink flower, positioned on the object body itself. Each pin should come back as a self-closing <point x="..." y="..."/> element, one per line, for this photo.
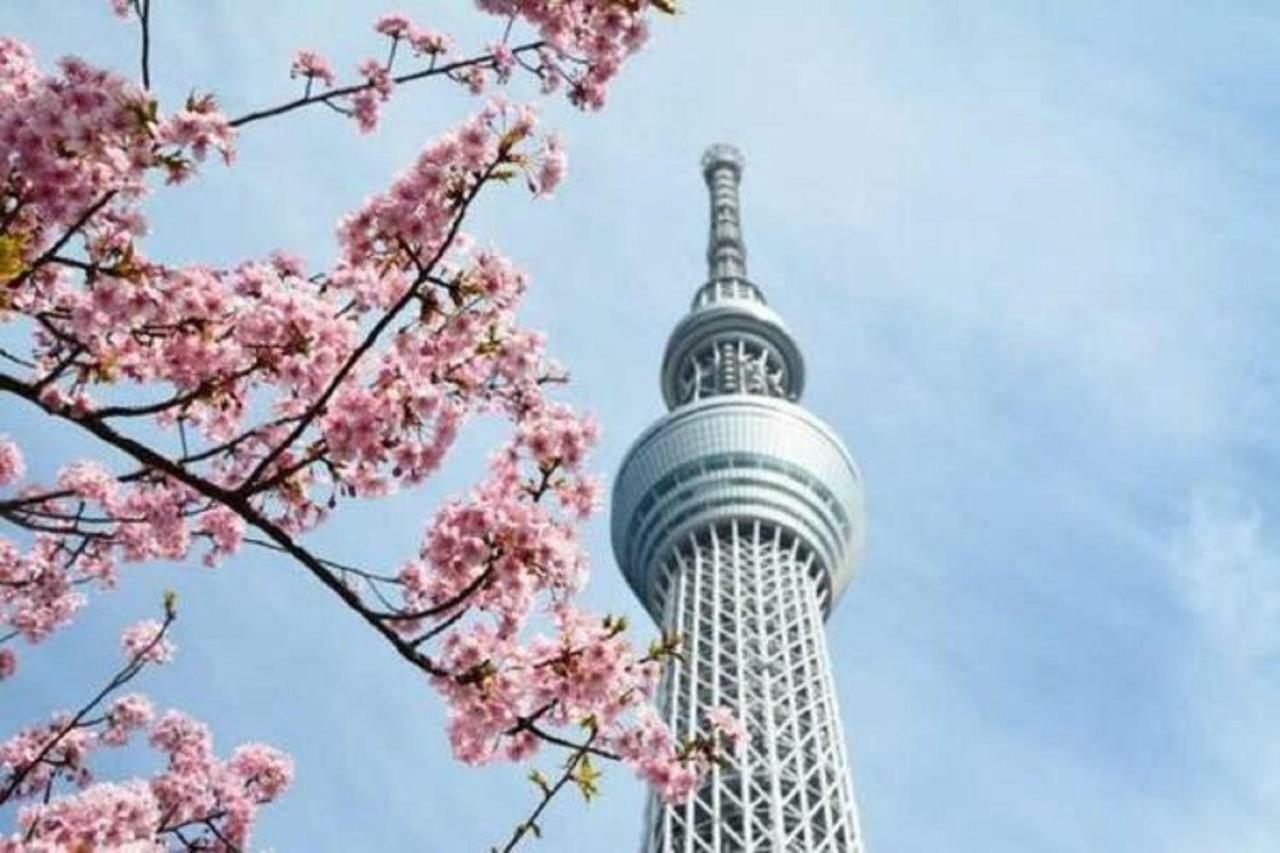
<point x="121" y="8"/>
<point x="104" y="816"/>
<point x="580" y="496"/>
<point x="197" y="128"/>
<point x="126" y="715"/>
<point x="475" y="79"/>
<point x="309" y="64"/>
<point x="226" y="530"/>
<point x="143" y="640"/>
<point x="365" y="103"/>
<point x="8" y="663"/>
<point x="428" y="42"/>
<point x="266" y="771"/>
<point x="89" y="480"/>
<point x="724" y="723"/>
<point x="504" y="61"/>
<point x="395" y="25"/>
<point x="552" y="166"/>
<point x="12" y="467"/>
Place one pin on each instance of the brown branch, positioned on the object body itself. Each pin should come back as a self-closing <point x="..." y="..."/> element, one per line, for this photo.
<point x="325" y="97"/>
<point x="144" y="17"/>
<point x="525" y="724"/>
<point x="470" y="589"/>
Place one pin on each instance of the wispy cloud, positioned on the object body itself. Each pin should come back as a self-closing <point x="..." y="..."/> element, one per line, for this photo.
<point x="1225" y="560"/>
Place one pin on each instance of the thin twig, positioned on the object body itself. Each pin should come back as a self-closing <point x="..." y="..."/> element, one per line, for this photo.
<point x="132" y="668"/>
<point x="343" y="91"/>
<point x="333" y="564"/>
<point x="548" y="794"/>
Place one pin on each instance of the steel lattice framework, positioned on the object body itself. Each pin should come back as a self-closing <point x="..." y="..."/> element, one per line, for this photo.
<point x="738" y="519"/>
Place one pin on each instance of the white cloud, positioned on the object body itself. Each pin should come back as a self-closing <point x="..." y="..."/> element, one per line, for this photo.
<point x="1230" y="575"/>
<point x="1227" y="570"/>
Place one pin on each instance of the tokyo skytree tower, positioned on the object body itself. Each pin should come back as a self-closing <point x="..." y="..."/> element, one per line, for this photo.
<point x="738" y="519"/>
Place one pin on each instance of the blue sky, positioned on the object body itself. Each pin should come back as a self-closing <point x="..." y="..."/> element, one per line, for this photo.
<point x="1029" y="251"/>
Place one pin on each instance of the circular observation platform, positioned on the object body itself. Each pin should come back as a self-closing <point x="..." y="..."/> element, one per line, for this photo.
<point x="733" y="321"/>
<point x="738" y="457"/>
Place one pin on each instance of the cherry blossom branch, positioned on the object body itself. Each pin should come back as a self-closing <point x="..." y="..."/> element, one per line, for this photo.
<point x="371" y="338"/>
<point x="237" y="504"/>
<point x="136" y="663"/>
<point x="326" y="97"/>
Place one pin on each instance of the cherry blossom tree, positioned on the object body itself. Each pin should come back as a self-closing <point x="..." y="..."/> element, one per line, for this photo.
<point x="280" y="394"/>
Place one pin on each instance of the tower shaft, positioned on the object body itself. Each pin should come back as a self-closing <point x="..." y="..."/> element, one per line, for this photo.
<point x="743" y="595"/>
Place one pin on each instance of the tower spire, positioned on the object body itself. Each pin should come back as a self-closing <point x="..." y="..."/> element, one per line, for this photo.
<point x="726" y="253"/>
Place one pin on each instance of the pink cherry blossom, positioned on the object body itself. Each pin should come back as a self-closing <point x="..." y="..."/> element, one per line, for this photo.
<point x="127" y="715"/>
<point x="725" y="723"/>
<point x="504" y="61"/>
<point x="428" y="42"/>
<point x="395" y="25"/>
<point x="12" y="468"/>
<point x="553" y="166"/>
<point x="475" y="79"/>
<point x="311" y="65"/>
<point x="366" y="102"/>
<point x="143" y="640"/>
<point x="105" y="816"/>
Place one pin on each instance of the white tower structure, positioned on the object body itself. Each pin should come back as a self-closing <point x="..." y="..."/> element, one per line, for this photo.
<point x="738" y="520"/>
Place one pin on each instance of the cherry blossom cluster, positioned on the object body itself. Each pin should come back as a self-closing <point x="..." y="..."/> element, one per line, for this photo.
<point x="504" y="555"/>
<point x="580" y="45"/>
<point x="82" y="141"/>
<point x="196" y="799"/>
<point x="220" y="339"/>
<point x="586" y="41"/>
<point x="675" y="770"/>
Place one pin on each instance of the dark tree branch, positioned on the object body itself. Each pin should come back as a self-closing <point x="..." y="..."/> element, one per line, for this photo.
<point x="343" y="91"/>
<point x="144" y="17"/>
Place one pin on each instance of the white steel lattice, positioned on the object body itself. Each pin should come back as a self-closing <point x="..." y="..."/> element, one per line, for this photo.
<point x="745" y="595"/>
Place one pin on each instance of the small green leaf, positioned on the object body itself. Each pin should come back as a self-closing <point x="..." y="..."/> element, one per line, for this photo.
<point x="587" y="778"/>
<point x="536" y="777"/>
